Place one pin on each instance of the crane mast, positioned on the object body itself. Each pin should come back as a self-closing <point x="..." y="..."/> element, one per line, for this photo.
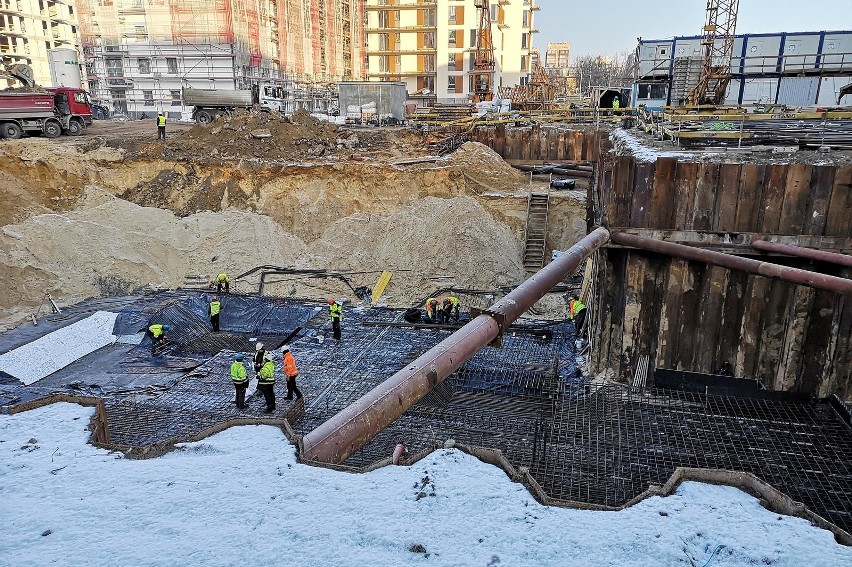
<point x="717" y="47"/>
<point x="483" y="63"/>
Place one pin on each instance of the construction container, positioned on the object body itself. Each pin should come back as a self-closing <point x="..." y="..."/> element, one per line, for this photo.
<point x="65" y="68"/>
<point x="389" y="97"/>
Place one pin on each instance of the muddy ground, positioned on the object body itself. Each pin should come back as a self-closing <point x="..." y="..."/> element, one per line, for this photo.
<point x="117" y="211"/>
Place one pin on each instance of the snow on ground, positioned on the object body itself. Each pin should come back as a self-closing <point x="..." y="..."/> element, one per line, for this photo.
<point x="240" y="498"/>
<point x="54" y="351"/>
<point x="632" y="145"/>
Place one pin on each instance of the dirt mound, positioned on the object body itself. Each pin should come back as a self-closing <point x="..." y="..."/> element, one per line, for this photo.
<point x="430" y="243"/>
<point x="485" y="170"/>
<point x="253" y="134"/>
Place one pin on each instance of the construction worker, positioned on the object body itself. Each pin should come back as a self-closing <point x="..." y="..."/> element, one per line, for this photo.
<point x="259" y="355"/>
<point x="431" y="310"/>
<point x="291" y="372"/>
<point x="215" y="308"/>
<point x="335" y="313"/>
<point x="266" y="382"/>
<point x="161" y="126"/>
<point x="616" y="104"/>
<point x="451" y="308"/>
<point x="577" y="313"/>
<point x="222" y="280"/>
<point x="158" y="335"/>
<point x="238" y="376"/>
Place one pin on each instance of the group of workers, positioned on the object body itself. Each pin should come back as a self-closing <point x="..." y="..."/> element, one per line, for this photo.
<point x="264" y="369"/>
<point x="442" y="311"/>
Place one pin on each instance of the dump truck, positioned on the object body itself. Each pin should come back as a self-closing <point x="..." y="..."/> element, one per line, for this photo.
<point x="52" y="112"/>
<point x="209" y="103"/>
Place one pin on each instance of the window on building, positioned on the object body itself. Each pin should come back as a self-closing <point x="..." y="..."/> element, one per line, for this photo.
<point x="473" y="38"/>
<point x="141" y="31"/>
<point x="144" y="65"/>
<point x="175" y="98"/>
<point x="114" y="67"/>
<point x="451" y="64"/>
<point x="494" y="11"/>
<point x="452" y="12"/>
<point x="149" y="97"/>
<point x="383" y="42"/>
<point x="451" y="83"/>
<point x="429" y="63"/>
<point x="429" y="39"/>
<point x="172" y="64"/>
<point x="524" y="40"/>
<point x="652" y="91"/>
<point x="526" y="19"/>
<point x="524" y="64"/>
<point x="429" y="17"/>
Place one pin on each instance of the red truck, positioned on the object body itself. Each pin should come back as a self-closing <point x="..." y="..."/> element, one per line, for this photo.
<point x="58" y="111"/>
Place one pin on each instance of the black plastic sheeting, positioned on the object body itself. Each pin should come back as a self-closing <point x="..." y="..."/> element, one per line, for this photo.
<point x="242" y="314"/>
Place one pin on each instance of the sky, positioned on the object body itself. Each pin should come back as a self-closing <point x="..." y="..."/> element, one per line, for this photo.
<point x="241" y="498"/>
<point x="595" y="28"/>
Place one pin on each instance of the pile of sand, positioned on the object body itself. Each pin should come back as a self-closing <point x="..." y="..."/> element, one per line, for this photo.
<point x="254" y="133"/>
<point x="110" y="246"/>
<point x="485" y="170"/>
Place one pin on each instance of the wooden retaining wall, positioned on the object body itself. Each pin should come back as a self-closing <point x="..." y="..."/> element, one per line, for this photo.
<point x="690" y="316"/>
<point x="540" y="142"/>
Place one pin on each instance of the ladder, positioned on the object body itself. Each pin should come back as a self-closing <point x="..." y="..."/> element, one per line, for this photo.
<point x="535" y="235"/>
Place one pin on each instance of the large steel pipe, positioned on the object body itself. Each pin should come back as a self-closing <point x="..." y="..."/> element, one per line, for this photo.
<point x="801" y="277"/>
<point x="346" y="432"/>
<point x="802" y="252"/>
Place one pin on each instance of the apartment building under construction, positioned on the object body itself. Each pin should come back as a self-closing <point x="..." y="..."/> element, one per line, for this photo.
<point x="431" y="45"/>
<point x="140" y="54"/>
<point x="30" y="29"/>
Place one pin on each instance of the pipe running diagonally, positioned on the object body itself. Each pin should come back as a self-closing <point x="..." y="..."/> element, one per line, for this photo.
<point x="802" y="252"/>
<point x="352" y="428"/>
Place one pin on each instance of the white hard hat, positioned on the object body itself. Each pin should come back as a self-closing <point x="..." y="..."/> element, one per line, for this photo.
<point x="259" y="346"/>
<point x="285" y="349"/>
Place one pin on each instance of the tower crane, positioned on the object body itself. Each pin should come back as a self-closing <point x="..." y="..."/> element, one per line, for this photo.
<point x="483" y="63"/>
<point x="717" y="48"/>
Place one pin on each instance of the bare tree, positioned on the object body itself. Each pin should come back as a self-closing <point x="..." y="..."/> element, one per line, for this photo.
<point x="601" y="70"/>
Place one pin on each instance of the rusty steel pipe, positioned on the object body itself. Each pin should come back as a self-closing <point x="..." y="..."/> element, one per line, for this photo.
<point x="352" y="428"/>
<point x="794" y="275"/>
<point x="802" y="252"/>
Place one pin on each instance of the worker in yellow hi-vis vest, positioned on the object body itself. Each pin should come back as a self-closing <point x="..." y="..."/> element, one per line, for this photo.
<point x="215" y="308"/>
<point x="577" y="313"/>
<point x="161" y="126"/>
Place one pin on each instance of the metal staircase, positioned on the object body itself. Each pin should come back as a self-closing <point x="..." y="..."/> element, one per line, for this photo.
<point x="535" y="237"/>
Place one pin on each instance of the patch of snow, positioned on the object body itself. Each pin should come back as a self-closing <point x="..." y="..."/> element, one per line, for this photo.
<point x="54" y="351"/>
<point x="241" y="498"/>
<point x="629" y="144"/>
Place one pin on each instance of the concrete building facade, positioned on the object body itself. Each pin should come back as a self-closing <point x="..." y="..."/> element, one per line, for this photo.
<point x="431" y="45"/>
<point x="29" y="29"/>
<point x="558" y="55"/>
<point x="140" y="54"/>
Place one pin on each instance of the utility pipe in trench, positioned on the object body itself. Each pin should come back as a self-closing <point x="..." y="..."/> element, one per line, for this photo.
<point x="352" y="428"/>
<point x="794" y="275"/>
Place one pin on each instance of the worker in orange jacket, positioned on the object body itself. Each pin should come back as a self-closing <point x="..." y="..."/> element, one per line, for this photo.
<point x="291" y="372"/>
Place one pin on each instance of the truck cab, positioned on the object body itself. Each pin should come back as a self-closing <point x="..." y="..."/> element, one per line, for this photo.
<point x="74" y="107"/>
<point x="271" y="97"/>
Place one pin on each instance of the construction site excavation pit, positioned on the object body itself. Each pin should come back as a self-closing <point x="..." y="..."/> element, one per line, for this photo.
<point x="121" y="234"/>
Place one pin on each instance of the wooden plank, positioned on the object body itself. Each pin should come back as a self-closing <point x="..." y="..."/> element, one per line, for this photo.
<point x="553" y="144"/>
<point x="526" y="135"/>
<point x="535" y="142"/>
<point x="795" y="199"/>
<point x="790" y="365"/>
<point x="562" y="150"/>
<point x="623" y="185"/>
<point x="772" y="331"/>
<point x="732" y="316"/>
<point x="838" y="220"/>
<point x="500" y="135"/>
<point x="643" y="188"/>
<point x="633" y="306"/>
<point x="772" y="199"/>
<point x="816" y="367"/>
<point x="577" y="145"/>
<point x="748" y="352"/>
<point x="836" y="380"/>
<point x="662" y="210"/>
<point x="705" y="197"/>
<point x="750" y="196"/>
<point x="693" y="274"/>
<point x="822" y="181"/>
<point x="707" y="326"/>
<point x="667" y="339"/>
<point x="737" y="242"/>
<point x="613" y="318"/>
<point x="727" y="196"/>
<point x="686" y="179"/>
